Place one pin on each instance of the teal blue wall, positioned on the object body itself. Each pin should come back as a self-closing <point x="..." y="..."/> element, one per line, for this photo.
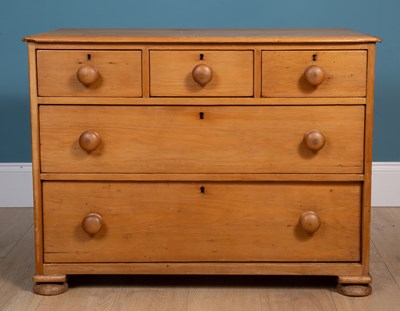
<point x="24" y="17"/>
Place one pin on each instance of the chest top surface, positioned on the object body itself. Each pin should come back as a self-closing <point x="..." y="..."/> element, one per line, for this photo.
<point x="243" y="35"/>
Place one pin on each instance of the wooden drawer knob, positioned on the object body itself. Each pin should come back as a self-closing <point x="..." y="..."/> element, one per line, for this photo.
<point x="310" y="222"/>
<point x="315" y="75"/>
<point x="92" y="223"/>
<point x="202" y="74"/>
<point x="87" y="75"/>
<point x="314" y="140"/>
<point x="89" y="140"/>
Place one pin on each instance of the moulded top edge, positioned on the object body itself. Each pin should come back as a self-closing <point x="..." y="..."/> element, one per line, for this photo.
<point x="202" y="35"/>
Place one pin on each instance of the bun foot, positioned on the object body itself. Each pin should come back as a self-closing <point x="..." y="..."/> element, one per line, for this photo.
<point x="354" y="290"/>
<point x="50" y="285"/>
<point x="50" y="289"/>
<point x="355" y="286"/>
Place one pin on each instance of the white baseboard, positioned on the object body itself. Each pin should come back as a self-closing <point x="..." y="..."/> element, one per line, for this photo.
<point x="16" y="184"/>
<point x="386" y="184"/>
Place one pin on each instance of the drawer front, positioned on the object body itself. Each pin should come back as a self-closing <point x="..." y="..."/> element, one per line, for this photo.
<point x="172" y="222"/>
<point x="314" y="73"/>
<point x="201" y="73"/>
<point x="201" y="139"/>
<point x="89" y="73"/>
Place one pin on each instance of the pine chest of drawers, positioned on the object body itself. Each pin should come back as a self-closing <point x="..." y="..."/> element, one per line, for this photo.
<point x="243" y="151"/>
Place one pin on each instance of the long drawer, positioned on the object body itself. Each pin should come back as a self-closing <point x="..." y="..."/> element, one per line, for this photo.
<point x="262" y="139"/>
<point x="199" y="222"/>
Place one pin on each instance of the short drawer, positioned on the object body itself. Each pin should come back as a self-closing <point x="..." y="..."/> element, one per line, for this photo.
<point x="195" y="222"/>
<point x="262" y="139"/>
<point x="201" y="73"/>
<point x="89" y="73"/>
<point x="314" y="73"/>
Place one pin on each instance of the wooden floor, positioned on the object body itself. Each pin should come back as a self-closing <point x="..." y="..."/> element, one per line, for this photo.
<point x="196" y="293"/>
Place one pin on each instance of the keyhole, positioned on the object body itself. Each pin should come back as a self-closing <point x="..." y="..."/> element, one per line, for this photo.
<point x="201" y="114"/>
<point x="314" y="57"/>
<point x="89" y="57"/>
<point x="202" y="190"/>
<point x="201" y="56"/>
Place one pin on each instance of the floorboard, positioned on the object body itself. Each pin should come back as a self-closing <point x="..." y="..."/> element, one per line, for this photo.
<point x="14" y="222"/>
<point x="16" y="272"/>
<point x="196" y="293"/>
<point x="385" y="293"/>
<point x="385" y="233"/>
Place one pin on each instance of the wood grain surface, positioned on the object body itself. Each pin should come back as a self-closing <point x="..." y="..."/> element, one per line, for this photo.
<point x="171" y="73"/>
<point x="283" y="73"/>
<point x="120" y="73"/>
<point x="227" y="140"/>
<point x="252" y="35"/>
<point x="165" y="222"/>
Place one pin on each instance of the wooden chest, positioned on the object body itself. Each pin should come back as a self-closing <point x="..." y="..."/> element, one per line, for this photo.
<point x="184" y="151"/>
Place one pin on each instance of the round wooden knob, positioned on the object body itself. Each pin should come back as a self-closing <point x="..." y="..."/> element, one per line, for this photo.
<point x="89" y="140"/>
<point x="315" y="75"/>
<point x="310" y="222"/>
<point x="202" y="74"/>
<point x="314" y="140"/>
<point x="87" y="75"/>
<point x="92" y="223"/>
